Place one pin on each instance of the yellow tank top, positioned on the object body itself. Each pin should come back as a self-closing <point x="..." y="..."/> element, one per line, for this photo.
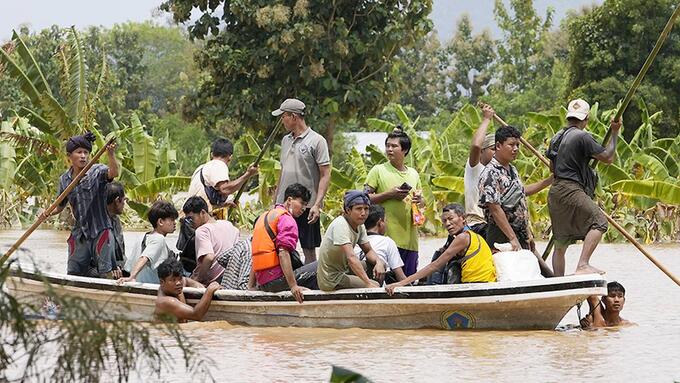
<point x="478" y="262"/>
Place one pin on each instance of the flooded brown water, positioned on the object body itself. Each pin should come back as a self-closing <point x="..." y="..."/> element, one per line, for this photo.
<point x="648" y="352"/>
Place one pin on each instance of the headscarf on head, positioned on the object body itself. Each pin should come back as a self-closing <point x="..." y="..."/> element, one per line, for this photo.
<point x="355" y="197"/>
<point x="85" y="141"/>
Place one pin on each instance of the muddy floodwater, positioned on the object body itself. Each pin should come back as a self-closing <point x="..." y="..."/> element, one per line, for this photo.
<point x="647" y="352"/>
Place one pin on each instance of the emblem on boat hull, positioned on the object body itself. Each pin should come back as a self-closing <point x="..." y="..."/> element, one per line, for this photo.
<point x="455" y="320"/>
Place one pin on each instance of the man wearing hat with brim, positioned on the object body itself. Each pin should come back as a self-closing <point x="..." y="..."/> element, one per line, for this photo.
<point x="573" y="212"/>
<point x="305" y="160"/>
<point x="91" y="246"/>
<point x="481" y="152"/>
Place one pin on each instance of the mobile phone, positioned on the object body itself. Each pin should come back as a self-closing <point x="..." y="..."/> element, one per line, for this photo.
<point x="405" y="186"/>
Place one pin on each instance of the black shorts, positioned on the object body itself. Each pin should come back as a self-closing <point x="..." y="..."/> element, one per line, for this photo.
<point x="309" y="233"/>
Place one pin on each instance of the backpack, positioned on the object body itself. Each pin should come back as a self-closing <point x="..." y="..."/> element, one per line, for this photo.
<point x="554" y="147"/>
<point x="214" y="196"/>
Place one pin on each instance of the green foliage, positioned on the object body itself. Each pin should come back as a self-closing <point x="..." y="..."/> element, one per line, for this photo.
<point x="337" y="57"/>
<point x="610" y="43"/>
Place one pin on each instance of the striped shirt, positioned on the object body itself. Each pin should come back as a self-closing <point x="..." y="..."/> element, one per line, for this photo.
<point x="237" y="263"/>
<point x="88" y="201"/>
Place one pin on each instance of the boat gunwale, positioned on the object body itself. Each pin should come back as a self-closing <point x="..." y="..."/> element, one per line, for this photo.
<point x="402" y="293"/>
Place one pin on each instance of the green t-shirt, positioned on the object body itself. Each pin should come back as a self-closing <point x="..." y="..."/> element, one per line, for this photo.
<point x="398" y="215"/>
<point x="332" y="260"/>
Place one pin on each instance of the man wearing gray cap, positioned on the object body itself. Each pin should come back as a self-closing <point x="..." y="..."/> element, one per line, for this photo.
<point x="573" y="213"/>
<point x="481" y="152"/>
<point x="304" y="160"/>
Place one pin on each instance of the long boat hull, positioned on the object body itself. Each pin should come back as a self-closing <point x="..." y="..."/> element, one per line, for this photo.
<point x="528" y="305"/>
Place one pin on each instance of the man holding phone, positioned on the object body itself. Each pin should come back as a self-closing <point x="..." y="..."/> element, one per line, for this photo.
<point x="391" y="185"/>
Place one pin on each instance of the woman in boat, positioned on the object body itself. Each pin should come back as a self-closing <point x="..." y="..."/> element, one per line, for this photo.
<point x="470" y="247"/>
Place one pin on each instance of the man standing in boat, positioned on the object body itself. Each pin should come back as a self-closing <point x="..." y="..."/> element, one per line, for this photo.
<point x="339" y="268"/>
<point x="503" y="196"/>
<point x="481" y="152"/>
<point x="467" y="246"/>
<point x="396" y="187"/>
<point x="573" y="212"/>
<point x="91" y="246"/>
<point x="305" y="160"/>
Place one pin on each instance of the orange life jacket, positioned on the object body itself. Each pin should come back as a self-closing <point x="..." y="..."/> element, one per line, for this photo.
<point x="265" y="255"/>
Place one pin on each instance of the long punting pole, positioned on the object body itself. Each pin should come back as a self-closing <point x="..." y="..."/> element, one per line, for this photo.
<point x="56" y="203"/>
<point x="609" y="218"/>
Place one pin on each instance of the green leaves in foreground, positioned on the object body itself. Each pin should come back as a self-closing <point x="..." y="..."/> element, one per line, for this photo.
<point x="343" y="375"/>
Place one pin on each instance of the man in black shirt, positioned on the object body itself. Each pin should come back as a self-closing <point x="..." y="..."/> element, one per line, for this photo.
<point x="574" y="214"/>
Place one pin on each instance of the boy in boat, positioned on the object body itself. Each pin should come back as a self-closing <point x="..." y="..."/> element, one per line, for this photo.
<point x="213" y="237"/>
<point x="171" y="303"/>
<point x="91" y="246"/>
<point x="390" y="184"/>
<point x="384" y="247"/>
<point x="503" y="197"/>
<point x="481" y="152"/>
<point x="339" y="268"/>
<point x="470" y="247"/>
<point x="573" y="213"/>
<point x="274" y="240"/>
<point x="606" y="311"/>
<point x="152" y="250"/>
<point x="115" y="204"/>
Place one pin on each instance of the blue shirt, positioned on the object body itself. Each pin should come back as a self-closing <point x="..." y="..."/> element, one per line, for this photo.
<point x="88" y="201"/>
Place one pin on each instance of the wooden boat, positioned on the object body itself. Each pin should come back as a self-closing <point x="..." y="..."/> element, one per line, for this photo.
<point x="528" y="305"/>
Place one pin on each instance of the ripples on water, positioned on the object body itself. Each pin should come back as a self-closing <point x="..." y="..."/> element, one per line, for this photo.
<point x="648" y="352"/>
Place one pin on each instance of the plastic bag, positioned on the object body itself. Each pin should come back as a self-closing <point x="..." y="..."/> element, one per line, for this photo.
<point x="516" y="266"/>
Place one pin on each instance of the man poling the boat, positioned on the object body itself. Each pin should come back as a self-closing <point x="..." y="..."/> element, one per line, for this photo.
<point x="477" y="261"/>
<point x="171" y="303"/>
<point x="91" y="243"/>
<point x="339" y="268"/>
<point x="274" y="240"/>
<point x="573" y="212"/>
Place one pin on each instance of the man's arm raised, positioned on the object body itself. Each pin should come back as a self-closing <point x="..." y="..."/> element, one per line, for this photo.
<point x="478" y="138"/>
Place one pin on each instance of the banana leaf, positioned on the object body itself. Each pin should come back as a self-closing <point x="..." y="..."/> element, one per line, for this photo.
<point x="340" y="180"/>
<point x="379" y="125"/>
<point x="7" y="158"/>
<point x="77" y="85"/>
<point x="20" y="76"/>
<point x="33" y="71"/>
<point x="149" y="190"/>
<point x="451" y="183"/>
<point x="659" y="190"/>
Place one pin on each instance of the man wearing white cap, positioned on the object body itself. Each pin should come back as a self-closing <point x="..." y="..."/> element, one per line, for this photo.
<point x="481" y="152"/>
<point x="304" y="160"/>
<point x="574" y="214"/>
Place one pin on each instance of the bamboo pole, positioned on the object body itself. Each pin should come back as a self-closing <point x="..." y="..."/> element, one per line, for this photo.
<point x="641" y="74"/>
<point x="56" y="203"/>
<point x="265" y="147"/>
<point x="609" y="218"/>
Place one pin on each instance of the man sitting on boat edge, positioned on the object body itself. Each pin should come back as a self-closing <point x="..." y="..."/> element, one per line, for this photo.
<point x="477" y="261"/>
<point x="339" y="268"/>
<point x="171" y="303"/>
<point x="274" y="240"/>
<point x="606" y="311"/>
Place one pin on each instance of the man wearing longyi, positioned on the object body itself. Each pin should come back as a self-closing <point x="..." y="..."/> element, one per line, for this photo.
<point x="91" y="246"/>
<point x="573" y="212"/>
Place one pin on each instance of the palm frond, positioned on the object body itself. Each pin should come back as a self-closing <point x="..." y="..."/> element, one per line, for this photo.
<point x="17" y="72"/>
<point x="32" y="144"/>
<point x="78" y="77"/>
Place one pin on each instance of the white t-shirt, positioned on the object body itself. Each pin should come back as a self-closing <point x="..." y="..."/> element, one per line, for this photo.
<point x="386" y="249"/>
<point x="156" y="251"/>
<point x="214" y="172"/>
<point x="473" y="213"/>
